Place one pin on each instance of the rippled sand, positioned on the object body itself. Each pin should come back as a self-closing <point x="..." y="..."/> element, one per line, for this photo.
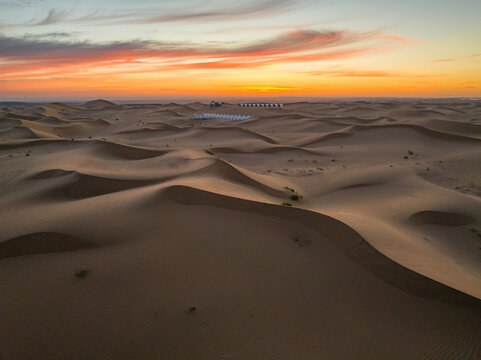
<point x="191" y="254"/>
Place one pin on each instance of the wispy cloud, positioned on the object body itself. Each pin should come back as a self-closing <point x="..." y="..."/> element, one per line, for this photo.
<point x="49" y="35"/>
<point x="340" y="72"/>
<point x="265" y="88"/>
<point x="352" y="73"/>
<point x="155" y="15"/>
<point x="59" y="55"/>
<point x="444" y="60"/>
<point x="19" y="2"/>
<point x="458" y="58"/>
<point x="53" y="17"/>
<point x="290" y="42"/>
<point x="252" y="9"/>
<point x="399" y="39"/>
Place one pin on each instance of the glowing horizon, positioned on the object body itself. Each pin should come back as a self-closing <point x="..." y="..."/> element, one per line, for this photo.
<point x="264" y="48"/>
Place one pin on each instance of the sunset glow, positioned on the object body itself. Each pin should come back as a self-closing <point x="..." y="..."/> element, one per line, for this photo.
<point x="85" y="49"/>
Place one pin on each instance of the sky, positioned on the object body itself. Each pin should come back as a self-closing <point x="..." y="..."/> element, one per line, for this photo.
<point x="60" y="49"/>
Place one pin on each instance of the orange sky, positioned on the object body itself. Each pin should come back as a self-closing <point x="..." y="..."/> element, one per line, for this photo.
<point x="59" y="53"/>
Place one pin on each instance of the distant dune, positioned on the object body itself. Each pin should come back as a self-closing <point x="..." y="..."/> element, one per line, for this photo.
<point x="329" y="230"/>
<point x="99" y="103"/>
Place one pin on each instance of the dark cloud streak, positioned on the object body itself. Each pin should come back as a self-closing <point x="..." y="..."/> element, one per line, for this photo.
<point x="53" y="17"/>
<point x="42" y="47"/>
<point x="50" y="35"/>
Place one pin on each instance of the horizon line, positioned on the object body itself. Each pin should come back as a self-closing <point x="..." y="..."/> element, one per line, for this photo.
<point x="233" y="99"/>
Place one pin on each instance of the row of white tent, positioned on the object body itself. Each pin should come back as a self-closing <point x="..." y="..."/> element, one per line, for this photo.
<point x="222" y="116"/>
<point x="261" y="105"/>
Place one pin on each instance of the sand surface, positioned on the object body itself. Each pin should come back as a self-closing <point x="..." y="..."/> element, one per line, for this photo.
<point x="379" y="259"/>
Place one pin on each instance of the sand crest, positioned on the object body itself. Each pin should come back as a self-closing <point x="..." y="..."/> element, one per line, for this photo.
<point x="334" y="230"/>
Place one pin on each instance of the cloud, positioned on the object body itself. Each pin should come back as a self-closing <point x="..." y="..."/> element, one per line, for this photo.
<point x="50" y="35"/>
<point x="352" y="73"/>
<point x="56" y="53"/>
<point x="156" y="15"/>
<point x="53" y="17"/>
<point x="252" y="9"/>
<point x="393" y="37"/>
<point x="473" y="55"/>
<point x="458" y="58"/>
<point x="444" y="60"/>
<point x="266" y="88"/>
<point x="290" y="42"/>
<point x="340" y="72"/>
<point x="18" y="2"/>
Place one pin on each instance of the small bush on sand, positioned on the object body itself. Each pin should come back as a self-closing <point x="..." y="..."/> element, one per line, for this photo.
<point x="209" y="152"/>
<point x="285" y="203"/>
<point x="81" y="273"/>
<point x="294" y="196"/>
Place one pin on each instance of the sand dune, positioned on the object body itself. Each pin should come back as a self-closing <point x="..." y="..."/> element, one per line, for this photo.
<point x="18" y="132"/>
<point x="75" y="185"/>
<point x="191" y="254"/>
<point x="102" y="104"/>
